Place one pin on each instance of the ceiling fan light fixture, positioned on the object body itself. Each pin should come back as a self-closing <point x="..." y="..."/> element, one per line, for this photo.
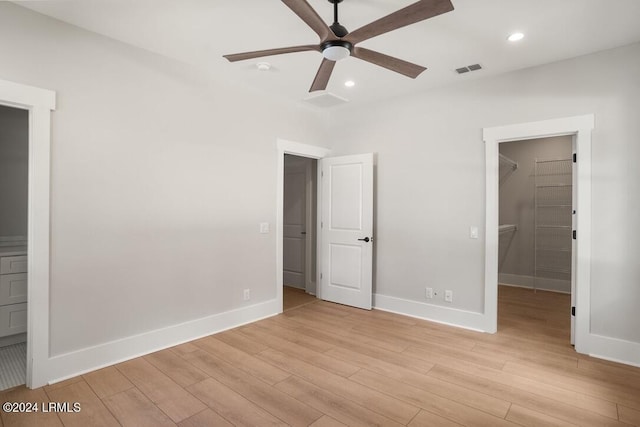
<point x="335" y="50"/>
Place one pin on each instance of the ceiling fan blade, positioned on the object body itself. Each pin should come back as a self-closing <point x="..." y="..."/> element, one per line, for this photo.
<point x="411" y="14"/>
<point x="324" y="73"/>
<point x="310" y="17"/>
<point x="388" y="62"/>
<point x="269" y="52"/>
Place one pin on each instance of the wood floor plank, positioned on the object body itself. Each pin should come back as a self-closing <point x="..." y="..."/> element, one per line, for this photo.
<point x="134" y="409"/>
<point x="327" y="421"/>
<point x="574" y="381"/>
<point x="517" y="353"/>
<point x="336" y="336"/>
<point x="524" y="398"/>
<point x="107" y="382"/>
<point x="433" y="403"/>
<point x="176" y="368"/>
<point x="184" y="348"/>
<point x="206" y="418"/>
<point x="415" y="336"/>
<point x="438" y="353"/>
<point x="528" y="418"/>
<point x="294" y="297"/>
<point x="242" y="360"/>
<point x="293" y="336"/>
<point x="463" y="395"/>
<point x="320" y="360"/>
<point x="385" y="405"/>
<point x="164" y="392"/>
<point x="242" y="343"/>
<point x="629" y="416"/>
<point x="231" y="405"/>
<point x="277" y="403"/>
<point x="92" y="411"/>
<point x="571" y="397"/>
<point x="427" y="419"/>
<point x="617" y="372"/>
<point x="343" y="410"/>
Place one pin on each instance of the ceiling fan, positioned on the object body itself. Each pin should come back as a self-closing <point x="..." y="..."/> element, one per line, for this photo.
<point x="337" y="43"/>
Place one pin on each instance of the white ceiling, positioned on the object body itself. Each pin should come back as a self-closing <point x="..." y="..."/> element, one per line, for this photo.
<point x="199" y="32"/>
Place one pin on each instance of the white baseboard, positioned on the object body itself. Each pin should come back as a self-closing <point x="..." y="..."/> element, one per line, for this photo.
<point x="69" y="365"/>
<point x="434" y="313"/>
<point x="615" y="350"/>
<point x="13" y="241"/>
<point x="544" y="284"/>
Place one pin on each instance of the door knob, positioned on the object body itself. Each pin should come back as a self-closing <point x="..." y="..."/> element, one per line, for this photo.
<point x="366" y="240"/>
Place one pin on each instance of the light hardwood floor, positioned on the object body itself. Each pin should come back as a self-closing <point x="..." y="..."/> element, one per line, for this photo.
<point x="324" y="364"/>
<point x="294" y="298"/>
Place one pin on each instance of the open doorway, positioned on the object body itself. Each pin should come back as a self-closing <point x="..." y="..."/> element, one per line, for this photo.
<point x="14" y="176"/>
<point x="299" y="230"/>
<point x="535" y="244"/>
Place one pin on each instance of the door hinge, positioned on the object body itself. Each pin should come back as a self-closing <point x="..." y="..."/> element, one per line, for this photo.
<point x="575" y="234"/>
<point x="322" y="173"/>
<point x="575" y="157"/>
<point x="321" y="224"/>
<point x="320" y="276"/>
<point x="573" y="311"/>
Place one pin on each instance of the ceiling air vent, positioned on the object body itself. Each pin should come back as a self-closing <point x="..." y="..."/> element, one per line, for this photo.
<point x="326" y="100"/>
<point x="474" y="67"/>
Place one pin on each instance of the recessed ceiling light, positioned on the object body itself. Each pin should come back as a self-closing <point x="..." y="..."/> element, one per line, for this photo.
<point x="515" y="37"/>
<point x="263" y="66"/>
<point x="349" y="83"/>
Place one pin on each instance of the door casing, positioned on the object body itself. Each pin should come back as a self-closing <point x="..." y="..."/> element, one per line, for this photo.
<point x="580" y="127"/>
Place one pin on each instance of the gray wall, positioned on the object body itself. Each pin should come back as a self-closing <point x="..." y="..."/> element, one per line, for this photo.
<point x="158" y="183"/>
<point x="431" y="178"/>
<point x="14" y="171"/>
<point x="517" y="200"/>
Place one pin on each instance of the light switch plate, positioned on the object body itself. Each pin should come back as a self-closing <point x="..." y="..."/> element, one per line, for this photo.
<point x="473" y="232"/>
<point x="264" y="227"/>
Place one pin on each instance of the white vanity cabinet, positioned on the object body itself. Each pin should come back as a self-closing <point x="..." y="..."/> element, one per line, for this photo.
<point x="13" y="290"/>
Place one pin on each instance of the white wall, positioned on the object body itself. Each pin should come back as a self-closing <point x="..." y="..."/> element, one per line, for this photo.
<point x="14" y="162"/>
<point x="431" y="173"/>
<point x="160" y="178"/>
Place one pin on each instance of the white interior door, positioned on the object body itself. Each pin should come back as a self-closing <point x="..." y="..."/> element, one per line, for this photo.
<point x="347" y="230"/>
<point x="294" y="222"/>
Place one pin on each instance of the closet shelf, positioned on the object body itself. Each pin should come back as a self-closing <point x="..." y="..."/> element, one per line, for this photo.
<point x="505" y="228"/>
<point x="552" y="185"/>
<point x="513" y="165"/>
<point x="565" y="227"/>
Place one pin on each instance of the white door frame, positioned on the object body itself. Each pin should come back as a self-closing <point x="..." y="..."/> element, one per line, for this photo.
<point x="39" y="103"/>
<point x="580" y="127"/>
<point x="302" y="150"/>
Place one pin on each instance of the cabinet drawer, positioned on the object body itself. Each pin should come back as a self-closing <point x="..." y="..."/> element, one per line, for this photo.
<point x="13" y="264"/>
<point x="13" y="319"/>
<point x="13" y="288"/>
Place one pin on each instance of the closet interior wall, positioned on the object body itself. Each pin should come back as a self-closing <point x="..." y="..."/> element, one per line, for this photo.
<point x="522" y="225"/>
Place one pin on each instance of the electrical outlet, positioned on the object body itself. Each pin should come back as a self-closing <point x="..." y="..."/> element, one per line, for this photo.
<point x="448" y="296"/>
<point x="429" y="293"/>
<point x="246" y="294"/>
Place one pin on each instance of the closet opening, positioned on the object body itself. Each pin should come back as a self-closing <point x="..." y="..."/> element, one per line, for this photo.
<point x="14" y="177"/>
<point x="299" y="231"/>
<point x="536" y="245"/>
